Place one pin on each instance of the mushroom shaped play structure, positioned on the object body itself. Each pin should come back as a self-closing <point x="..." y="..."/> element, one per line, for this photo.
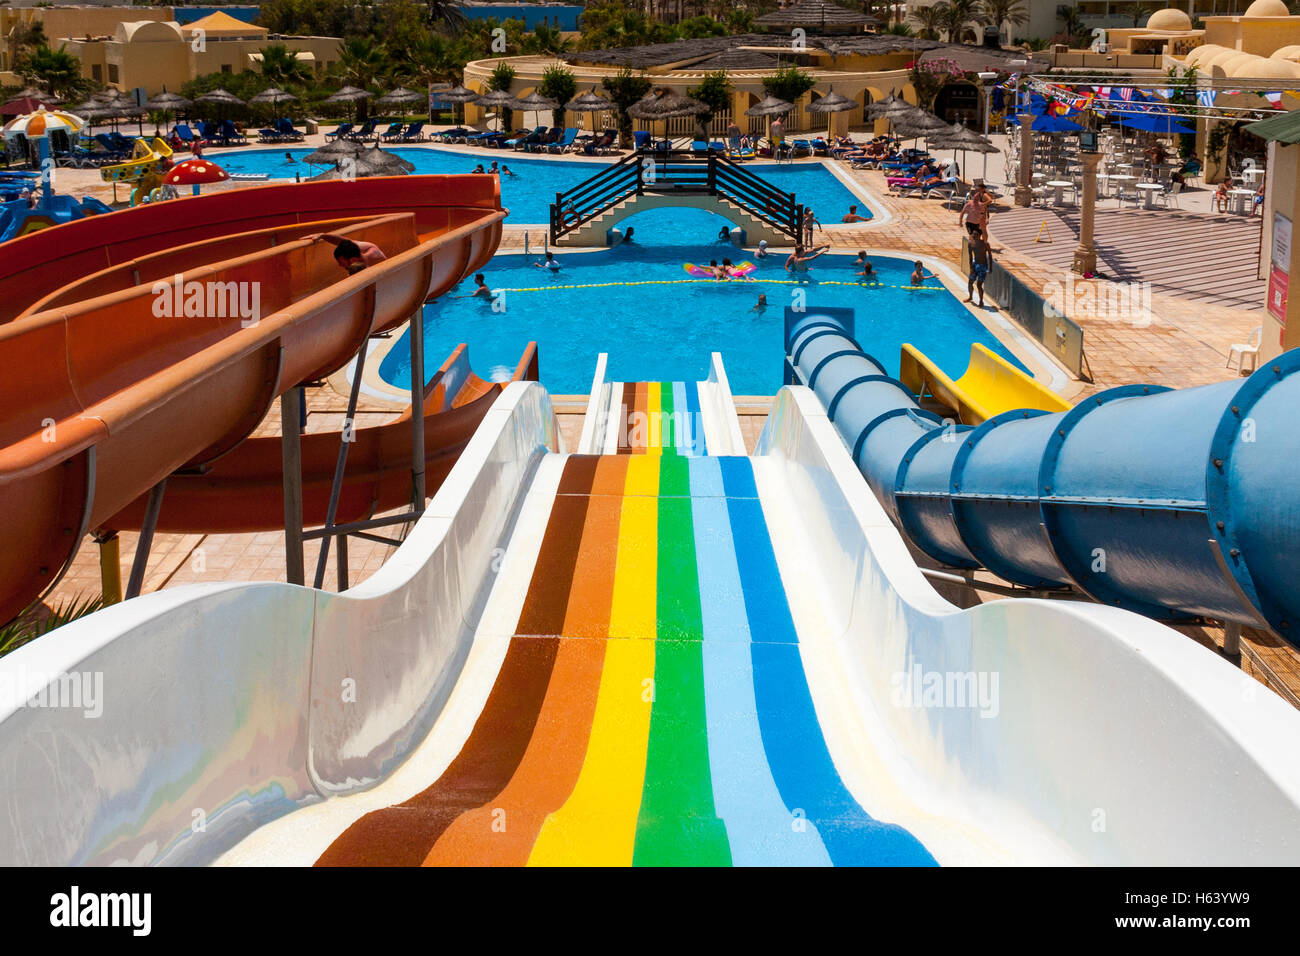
<point x="196" y="173"/>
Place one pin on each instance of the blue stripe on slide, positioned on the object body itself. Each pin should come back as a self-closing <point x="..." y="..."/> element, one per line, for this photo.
<point x="691" y="391"/>
<point x="738" y="478"/>
<point x="760" y="828"/>
<point x="706" y="477"/>
<point x="796" y="751"/>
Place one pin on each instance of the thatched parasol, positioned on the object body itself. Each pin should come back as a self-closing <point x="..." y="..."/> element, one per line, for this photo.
<point x="272" y="95"/>
<point x="399" y="96"/>
<point x="457" y="95"/>
<point x="665" y="105"/>
<point x="534" y="103"/>
<point x="220" y="96"/>
<point x="332" y="152"/>
<point x="830" y="104"/>
<point x="380" y="159"/>
<point x="960" y="139"/>
<point x="495" y="100"/>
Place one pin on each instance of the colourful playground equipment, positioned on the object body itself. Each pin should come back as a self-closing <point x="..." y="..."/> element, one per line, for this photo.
<point x="145" y="168"/>
<point x="990" y="385"/>
<point x="18" y="217"/>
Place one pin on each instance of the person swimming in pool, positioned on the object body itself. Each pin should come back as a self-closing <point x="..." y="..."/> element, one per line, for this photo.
<point x="505" y="171"/>
<point x="868" y="272"/>
<point x="799" y="259"/>
<point x="288" y="158"/>
<point x="762" y="304"/>
<point x="717" y="270"/>
<point x="762" y="249"/>
<point x="549" y="263"/>
<point x="481" y="290"/>
<point x="861" y="260"/>
<point x="919" y="275"/>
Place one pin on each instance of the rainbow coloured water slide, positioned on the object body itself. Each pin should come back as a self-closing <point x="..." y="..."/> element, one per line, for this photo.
<point x="690" y="657"/>
<point x="108" y="394"/>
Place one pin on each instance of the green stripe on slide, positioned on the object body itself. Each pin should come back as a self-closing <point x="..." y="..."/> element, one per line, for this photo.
<point x="678" y="824"/>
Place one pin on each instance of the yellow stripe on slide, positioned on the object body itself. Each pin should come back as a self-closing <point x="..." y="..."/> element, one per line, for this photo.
<point x="597" y="824"/>
<point x="654" y="419"/>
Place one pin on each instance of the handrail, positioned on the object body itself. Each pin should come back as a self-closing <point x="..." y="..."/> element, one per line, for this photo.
<point x="676" y="170"/>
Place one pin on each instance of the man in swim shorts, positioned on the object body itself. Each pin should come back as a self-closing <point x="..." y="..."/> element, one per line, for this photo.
<point x="980" y="262"/>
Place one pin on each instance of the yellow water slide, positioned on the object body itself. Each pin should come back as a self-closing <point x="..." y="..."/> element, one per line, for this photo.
<point x="146" y="160"/>
<point x="991" y="385"/>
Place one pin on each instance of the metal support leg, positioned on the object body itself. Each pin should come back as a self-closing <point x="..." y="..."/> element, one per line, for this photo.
<point x="110" y="567"/>
<point x="146" y="539"/>
<point x="417" y="409"/>
<point x="341" y="558"/>
<point x="1232" y="640"/>
<point x="341" y="463"/>
<point x="291" y="403"/>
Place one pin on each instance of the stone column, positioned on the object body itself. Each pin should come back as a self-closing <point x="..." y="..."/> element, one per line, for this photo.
<point x="1025" y="181"/>
<point x="1085" y="254"/>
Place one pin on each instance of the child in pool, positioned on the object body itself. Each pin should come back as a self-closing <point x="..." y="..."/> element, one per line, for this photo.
<point x="918" y="274"/>
<point x="868" y="273"/>
<point x="762" y="304"/>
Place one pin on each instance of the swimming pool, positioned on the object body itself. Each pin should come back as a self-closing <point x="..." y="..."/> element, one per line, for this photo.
<point x="529" y="194"/>
<point x="657" y="324"/>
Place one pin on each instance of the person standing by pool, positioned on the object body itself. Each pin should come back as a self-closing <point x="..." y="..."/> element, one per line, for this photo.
<point x="980" y="262"/>
<point x="549" y="263"/>
<point x="975" y="211"/>
<point x="799" y="259"/>
<point x="853" y="216"/>
<point x="809" y="223"/>
<point x="775" y="134"/>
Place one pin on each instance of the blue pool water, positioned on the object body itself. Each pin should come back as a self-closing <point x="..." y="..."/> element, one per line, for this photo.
<point x="529" y="193"/>
<point x="665" y="332"/>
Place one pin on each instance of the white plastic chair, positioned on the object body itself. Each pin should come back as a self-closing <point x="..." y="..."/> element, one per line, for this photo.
<point x="1242" y="350"/>
<point x="1170" y="199"/>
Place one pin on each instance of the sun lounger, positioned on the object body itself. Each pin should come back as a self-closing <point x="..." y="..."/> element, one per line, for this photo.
<point x="342" y="130"/>
<point x="564" y="142"/>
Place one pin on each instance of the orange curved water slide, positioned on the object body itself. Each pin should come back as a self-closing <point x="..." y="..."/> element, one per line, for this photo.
<point x="242" y="491"/>
<point x="106" y="396"/>
<point x="34" y="265"/>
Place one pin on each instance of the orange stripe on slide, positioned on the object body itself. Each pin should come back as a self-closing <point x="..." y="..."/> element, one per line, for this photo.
<point x="503" y="833"/>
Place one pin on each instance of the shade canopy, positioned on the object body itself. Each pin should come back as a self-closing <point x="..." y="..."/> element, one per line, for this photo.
<point x="220" y="96"/>
<point x="666" y="105"/>
<point x="332" y="151"/>
<point x="589" y="102"/>
<point x="195" y="172"/>
<point x="1153" y="123"/>
<point x="388" y="163"/>
<point x="347" y="94"/>
<point x="168" y="101"/>
<point x="399" y="95"/>
<point x="771" y="106"/>
<point x="832" y="102"/>
<point x="534" y="102"/>
<point x="273" y="95"/>
<point x="457" y="94"/>
<point x="494" y="98"/>
<point x="43" y="122"/>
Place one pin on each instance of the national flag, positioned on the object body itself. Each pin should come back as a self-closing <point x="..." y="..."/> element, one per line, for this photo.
<point x="1206" y="97"/>
<point x="1125" y="93"/>
<point x="1274" y="97"/>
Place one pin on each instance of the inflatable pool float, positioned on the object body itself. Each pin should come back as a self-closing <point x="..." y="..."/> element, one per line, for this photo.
<point x="738" y="271"/>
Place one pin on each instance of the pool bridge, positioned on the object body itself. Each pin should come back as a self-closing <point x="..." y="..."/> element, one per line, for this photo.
<point x="653" y="179"/>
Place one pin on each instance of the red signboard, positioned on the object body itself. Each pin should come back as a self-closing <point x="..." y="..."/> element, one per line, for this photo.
<point x="1277" y="289"/>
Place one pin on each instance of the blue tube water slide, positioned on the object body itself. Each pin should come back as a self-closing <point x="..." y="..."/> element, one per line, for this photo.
<point x="1175" y="504"/>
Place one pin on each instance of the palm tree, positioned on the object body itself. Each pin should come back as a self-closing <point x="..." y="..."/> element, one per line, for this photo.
<point x="955" y="15"/>
<point x="1073" y="22"/>
<point x="446" y="13"/>
<point x="362" y="60"/>
<point x="1140" y="12"/>
<point x="280" y="66"/>
<point x="999" y="13"/>
<point x="928" y="19"/>
<point x="56" y="70"/>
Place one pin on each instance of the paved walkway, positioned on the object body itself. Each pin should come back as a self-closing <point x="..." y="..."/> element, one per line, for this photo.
<point x="1191" y="256"/>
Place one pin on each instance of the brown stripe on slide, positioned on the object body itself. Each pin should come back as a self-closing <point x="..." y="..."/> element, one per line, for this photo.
<point x="579" y="473"/>
<point x="402" y="835"/>
<point x="626" y="406"/>
<point x="502" y="832"/>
